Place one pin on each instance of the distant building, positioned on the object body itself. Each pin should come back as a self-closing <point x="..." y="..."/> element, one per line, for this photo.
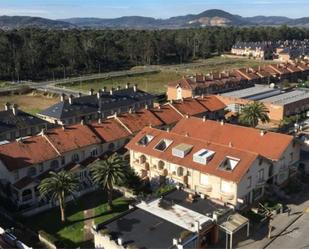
<point x="258" y="50"/>
<point x="94" y="106"/>
<point x="15" y="123"/>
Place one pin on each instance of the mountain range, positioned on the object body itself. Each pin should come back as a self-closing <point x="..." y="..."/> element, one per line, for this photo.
<point x="213" y="17"/>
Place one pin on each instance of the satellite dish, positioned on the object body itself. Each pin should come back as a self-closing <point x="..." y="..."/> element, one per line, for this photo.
<point x="272" y="85"/>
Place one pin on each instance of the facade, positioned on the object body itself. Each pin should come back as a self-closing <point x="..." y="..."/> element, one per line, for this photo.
<point x="103" y="104"/>
<point x="14" y="123"/>
<point x="228" y="163"/>
<point x="257" y="50"/>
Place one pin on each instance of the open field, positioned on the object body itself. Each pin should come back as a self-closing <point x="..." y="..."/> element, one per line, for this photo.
<point x="157" y="82"/>
<point x="32" y="102"/>
<point x="71" y="233"/>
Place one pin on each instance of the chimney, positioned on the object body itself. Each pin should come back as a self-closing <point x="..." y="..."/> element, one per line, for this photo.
<point x="100" y="120"/>
<point x="187" y="115"/>
<point x="127" y="85"/>
<point x="91" y="91"/>
<point x="135" y="88"/>
<point x="111" y="91"/>
<point x="204" y="118"/>
<point x="130" y="110"/>
<point x="7" y="106"/>
<point x="222" y="122"/>
<point x="43" y="132"/>
<point x="62" y="97"/>
<point x="230" y="144"/>
<point x="262" y="133"/>
<point x="15" y="109"/>
<point x="168" y="129"/>
<point x="82" y="122"/>
<point x="146" y="107"/>
<point x="71" y="99"/>
<point x="63" y="127"/>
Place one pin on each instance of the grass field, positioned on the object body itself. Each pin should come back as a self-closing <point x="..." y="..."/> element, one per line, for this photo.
<point x="71" y="233"/>
<point x="157" y="82"/>
<point x="32" y="103"/>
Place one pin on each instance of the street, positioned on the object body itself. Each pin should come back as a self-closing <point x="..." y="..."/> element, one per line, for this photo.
<point x="296" y="236"/>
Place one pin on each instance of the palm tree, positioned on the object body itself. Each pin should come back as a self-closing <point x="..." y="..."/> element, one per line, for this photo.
<point x="109" y="172"/>
<point x="57" y="186"/>
<point x="252" y="113"/>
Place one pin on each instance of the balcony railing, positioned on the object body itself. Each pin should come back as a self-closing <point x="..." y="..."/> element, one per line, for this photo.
<point x="227" y="196"/>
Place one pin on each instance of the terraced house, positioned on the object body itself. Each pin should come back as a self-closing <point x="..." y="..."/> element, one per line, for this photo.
<point x="225" y="162"/>
<point x="91" y="107"/>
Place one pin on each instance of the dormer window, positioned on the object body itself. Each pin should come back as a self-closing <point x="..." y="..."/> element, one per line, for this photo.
<point x="163" y="145"/>
<point x="145" y="140"/>
<point x="229" y="163"/>
<point x="203" y="156"/>
<point x="181" y="150"/>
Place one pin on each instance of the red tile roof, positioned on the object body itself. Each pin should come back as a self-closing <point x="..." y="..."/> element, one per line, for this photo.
<point x="221" y="152"/>
<point x="136" y="121"/>
<point x="110" y="130"/>
<point x="167" y="114"/>
<point x="72" y="137"/>
<point x="188" y="106"/>
<point x="34" y="150"/>
<point x="271" y="145"/>
<point x="211" y="103"/>
<point x="184" y="83"/>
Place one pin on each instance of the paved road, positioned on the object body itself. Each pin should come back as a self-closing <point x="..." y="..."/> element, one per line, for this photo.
<point x="296" y="236"/>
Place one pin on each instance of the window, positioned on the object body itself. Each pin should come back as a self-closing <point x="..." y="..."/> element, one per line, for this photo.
<point x="63" y="160"/>
<point x="204" y="179"/>
<point x="163" y="145"/>
<point x="291" y="157"/>
<point x="225" y="187"/>
<point x="75" y="157"/>
<point x="94" y="152"/>
<point x="261" y="175"/>
<point x="260" y="161"/>
<point x="31" y="171"/>
<point x="145" y="140"/>
<point x="54" y="164"/>
<point x="161" y="165"/>
<point x="111" y="146"/>
<point x="229" y="163"/>
<point x="180" y="171"/>
<point x="249" y="182"/>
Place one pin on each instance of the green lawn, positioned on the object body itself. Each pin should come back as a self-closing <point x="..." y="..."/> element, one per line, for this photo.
<point x="152" y="82"/>
<point x="71" y="233"/>
<point x="157" y="82"/>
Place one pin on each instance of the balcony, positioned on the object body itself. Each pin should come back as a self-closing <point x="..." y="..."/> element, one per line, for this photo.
<point x="204" y="189"/>
<point x="227" y="196"/>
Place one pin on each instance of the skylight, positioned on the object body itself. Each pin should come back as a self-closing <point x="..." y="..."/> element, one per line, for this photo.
<point x="229" y="163"/>
<point x="163" y="144"/>
<point x="203" y="156"/>
<point x="181" y="150"/>
<point x="145" y="140"/>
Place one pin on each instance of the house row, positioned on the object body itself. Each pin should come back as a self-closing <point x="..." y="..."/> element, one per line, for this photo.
<point x="72" y="109"/>
<point x="258" y="50"/>
<point x="227" y="163"/>
<point x="218" y="83"/>
<point x="15" y="123"/>
<point x="26" y="161"/>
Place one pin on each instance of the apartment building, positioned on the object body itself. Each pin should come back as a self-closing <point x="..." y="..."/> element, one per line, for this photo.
<point x="228" y="163"/>
<point x="91" y="107"/>
<point x="15" y="123"/>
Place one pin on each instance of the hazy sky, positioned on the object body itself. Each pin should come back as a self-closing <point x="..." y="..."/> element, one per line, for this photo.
<point x="154" y="8"/>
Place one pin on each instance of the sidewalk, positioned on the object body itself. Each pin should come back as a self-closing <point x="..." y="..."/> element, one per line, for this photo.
<point x="280" y="223"/>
